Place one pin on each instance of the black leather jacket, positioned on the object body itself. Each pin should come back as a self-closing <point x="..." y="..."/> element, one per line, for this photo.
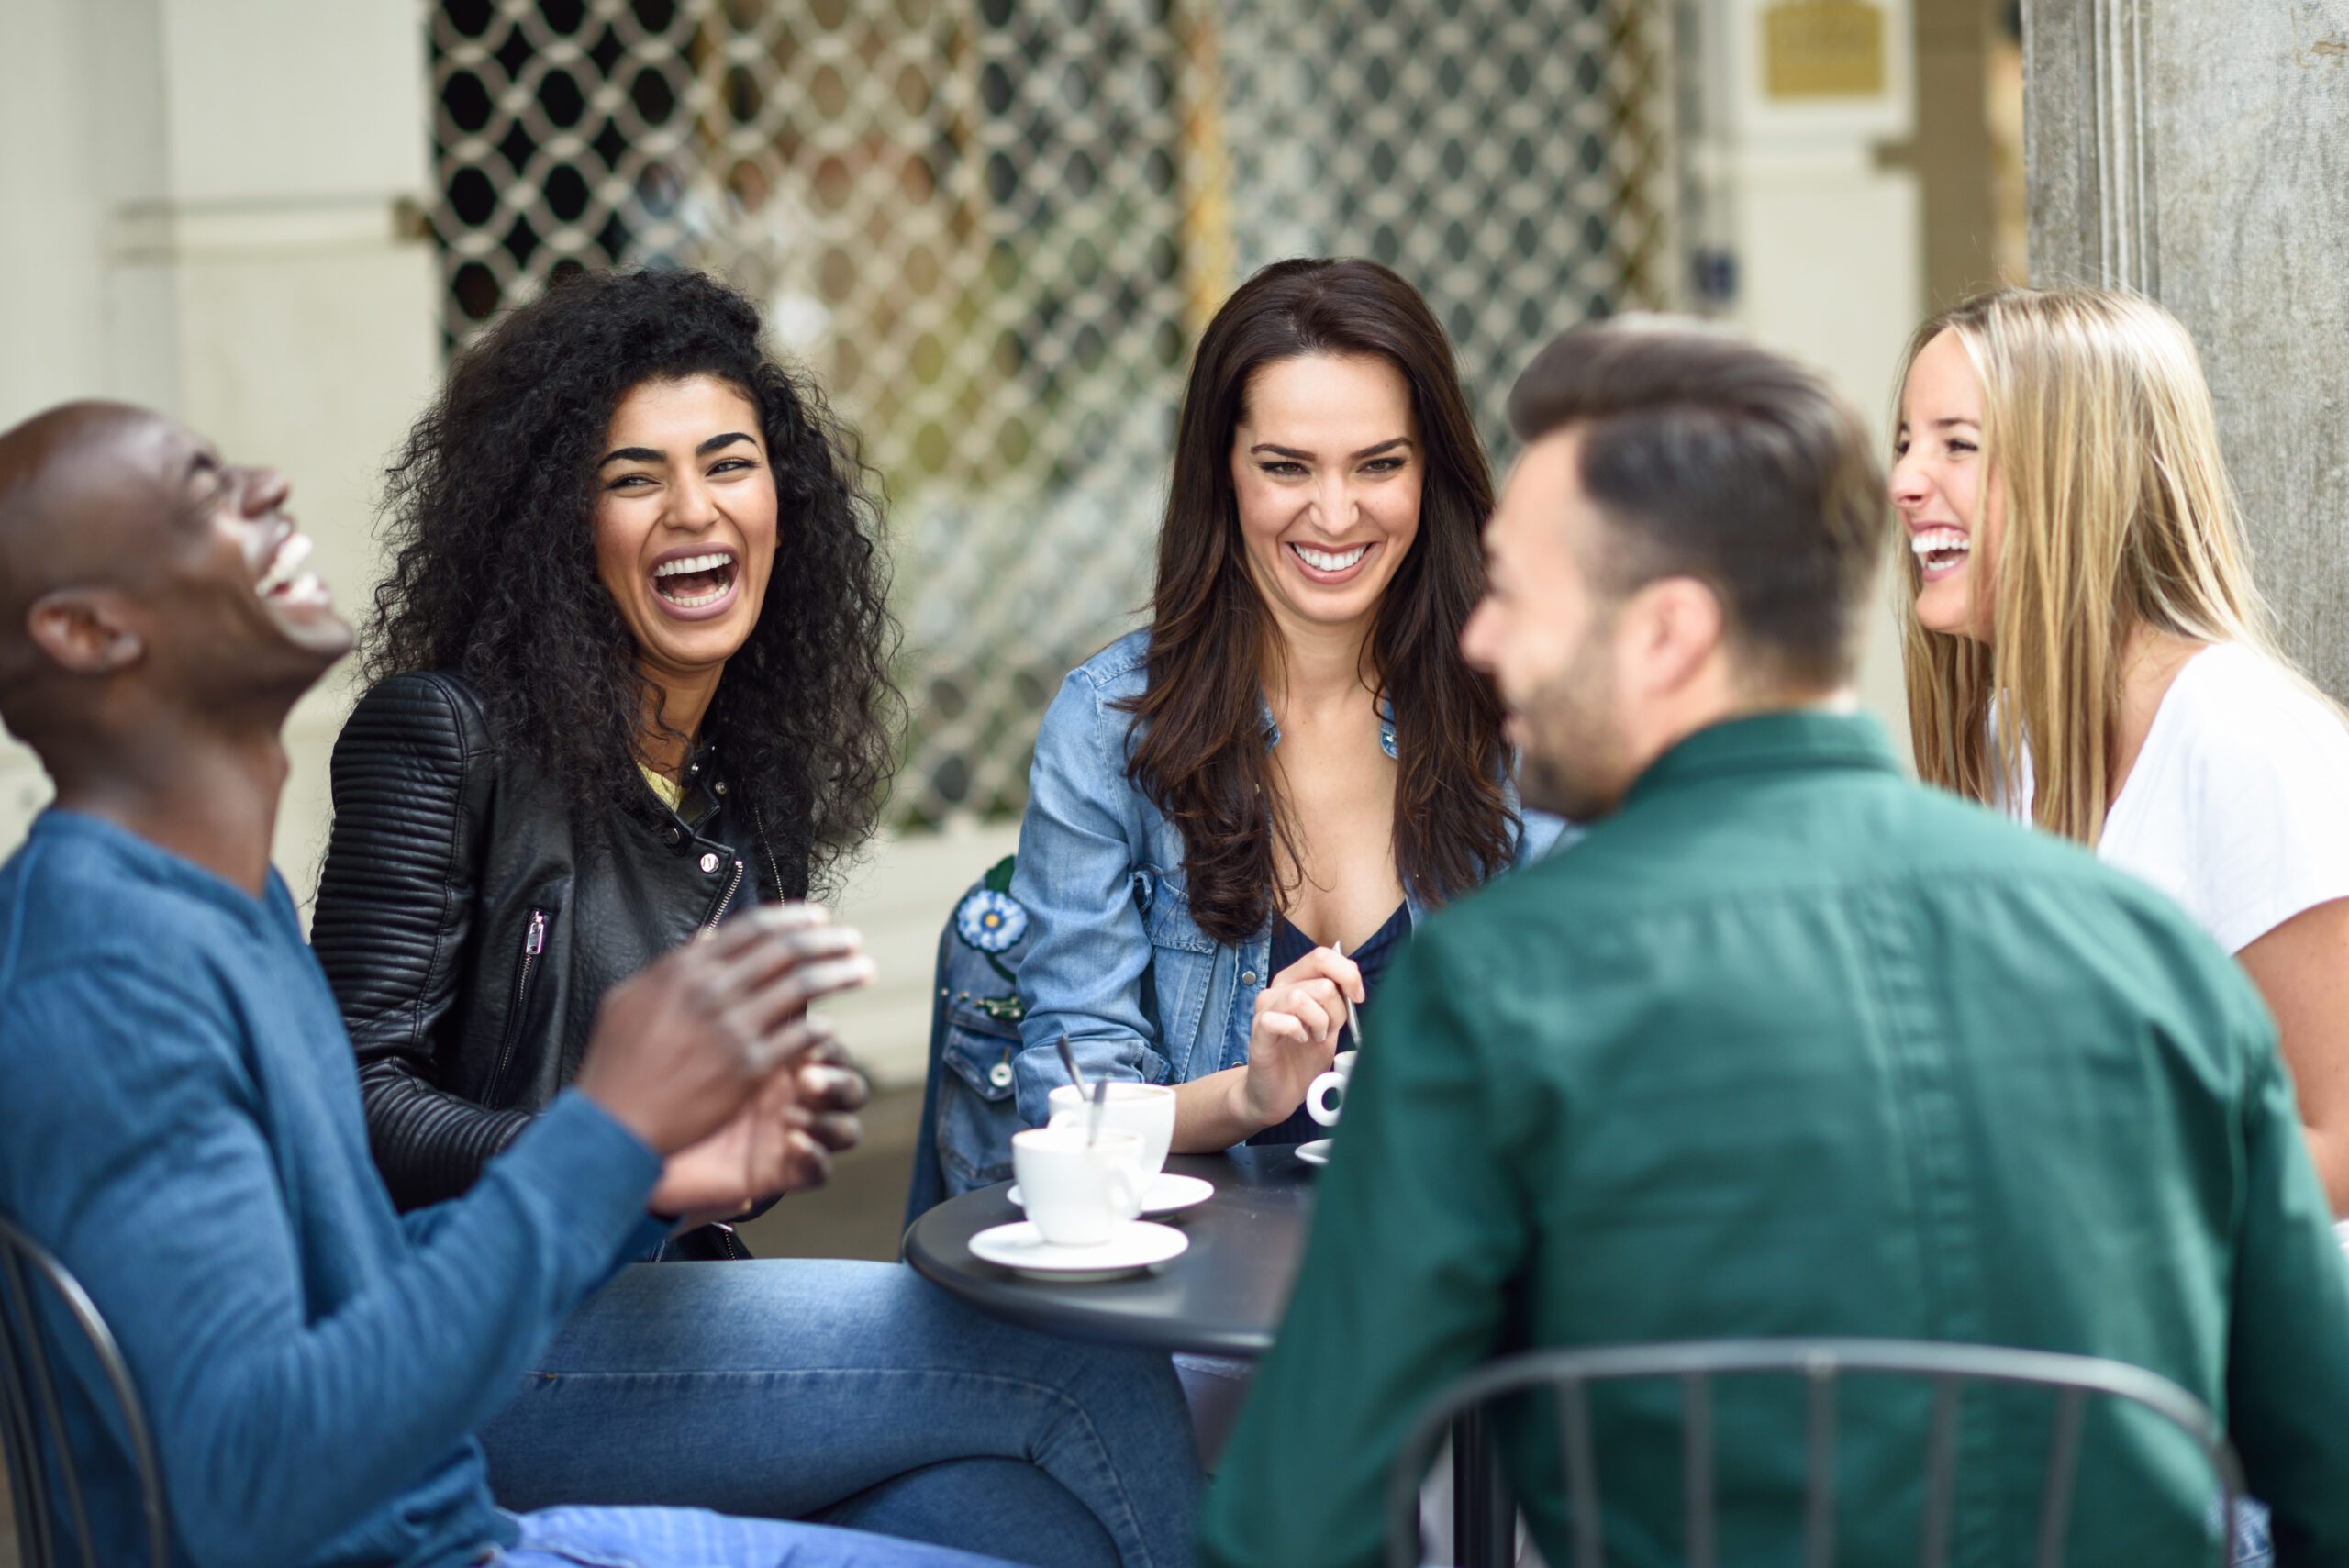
<point x="469" y="930"/>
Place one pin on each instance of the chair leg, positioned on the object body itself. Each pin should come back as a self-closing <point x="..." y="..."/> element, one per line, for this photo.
<point x="1484" y="1520"/>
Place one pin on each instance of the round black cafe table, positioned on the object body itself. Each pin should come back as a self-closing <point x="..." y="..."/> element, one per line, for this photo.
<point x="1224" y="1295"/>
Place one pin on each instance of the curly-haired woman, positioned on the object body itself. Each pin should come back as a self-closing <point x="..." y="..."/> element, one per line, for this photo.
<point x="1293" y="757"/>
<point x="631" y="674"/>
<point x="601" y="718"/>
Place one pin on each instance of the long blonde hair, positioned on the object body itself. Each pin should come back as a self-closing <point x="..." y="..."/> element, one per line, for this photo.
<point x="2098" y="433"/>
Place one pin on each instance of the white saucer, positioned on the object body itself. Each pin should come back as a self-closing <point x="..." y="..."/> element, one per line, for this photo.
<point x="1168" y="1193"/>
<point x="1134" y="1245"/>
<point x="1315" y="1153"/>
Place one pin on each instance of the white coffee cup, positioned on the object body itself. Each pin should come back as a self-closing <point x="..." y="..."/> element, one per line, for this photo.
<point x="1078" y="1193"/>
<point x="1146" y="1110"/>
<point x="1333" y="1082"/>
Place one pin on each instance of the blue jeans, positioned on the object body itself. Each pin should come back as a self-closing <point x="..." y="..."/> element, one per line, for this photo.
<point x="855" y="1395"/>
<point x="689" y="1538"/>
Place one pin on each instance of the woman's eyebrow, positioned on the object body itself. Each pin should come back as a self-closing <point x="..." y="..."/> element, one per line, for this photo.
<point x="1388" y="444"/>
<point x="646" y="454"/>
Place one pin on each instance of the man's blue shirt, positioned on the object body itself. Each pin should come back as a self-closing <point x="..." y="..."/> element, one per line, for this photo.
<point x="181" y="1123"/>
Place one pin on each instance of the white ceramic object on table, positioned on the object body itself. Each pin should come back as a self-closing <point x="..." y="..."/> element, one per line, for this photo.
<point x="1318" y="1104"/>
<point x="1080" y="1187"/>
<point x="1135" y="1245"/>
<point x="1146" y="1110"/>
<point x="1315" y="1153"/>
<point x="1169" y="1193"/>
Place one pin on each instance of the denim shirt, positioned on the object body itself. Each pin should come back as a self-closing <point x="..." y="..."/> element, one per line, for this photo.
<point x="1113" y="959"/>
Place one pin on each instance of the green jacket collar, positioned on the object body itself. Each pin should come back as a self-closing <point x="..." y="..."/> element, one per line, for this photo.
<point x="1801" y="741"/>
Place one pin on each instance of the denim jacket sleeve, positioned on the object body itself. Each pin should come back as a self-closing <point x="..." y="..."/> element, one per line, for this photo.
<point x="1086" y="968"/>
<point x="1539" y="833"/>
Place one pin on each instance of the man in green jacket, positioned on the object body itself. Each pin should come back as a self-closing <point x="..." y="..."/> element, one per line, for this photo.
<point x="1786" y="1046"/>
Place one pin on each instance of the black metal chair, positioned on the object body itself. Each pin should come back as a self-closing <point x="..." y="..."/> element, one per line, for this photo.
<point x="32" y="1426"/>
<point x="1568" y="1375"/>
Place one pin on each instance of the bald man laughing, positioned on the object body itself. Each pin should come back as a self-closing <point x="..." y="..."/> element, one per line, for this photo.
<point x="147" y="588"/>
<point x="180" y="1121"/>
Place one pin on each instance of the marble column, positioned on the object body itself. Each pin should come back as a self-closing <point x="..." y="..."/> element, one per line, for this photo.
<point x="2198" y="150"/>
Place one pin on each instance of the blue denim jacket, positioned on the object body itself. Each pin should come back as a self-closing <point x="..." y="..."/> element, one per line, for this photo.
<point x="968" y="1112"/>
<point x="1108" y="954"/>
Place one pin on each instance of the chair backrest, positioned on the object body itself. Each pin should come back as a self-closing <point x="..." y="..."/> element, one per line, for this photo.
<point x="32" y="1424"/>
<point x="1568" y="1375"/>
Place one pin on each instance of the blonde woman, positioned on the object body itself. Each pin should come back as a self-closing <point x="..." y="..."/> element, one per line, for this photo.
<point x="2087" y="650"/>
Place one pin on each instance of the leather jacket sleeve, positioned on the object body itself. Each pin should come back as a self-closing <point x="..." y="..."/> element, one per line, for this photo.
<point x="411" y="781"/>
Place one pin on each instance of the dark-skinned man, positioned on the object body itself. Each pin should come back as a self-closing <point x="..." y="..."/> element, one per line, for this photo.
<point x="182" y="1120"/>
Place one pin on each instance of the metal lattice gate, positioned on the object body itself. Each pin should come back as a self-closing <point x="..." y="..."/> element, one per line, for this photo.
<point x="993" y="228"/>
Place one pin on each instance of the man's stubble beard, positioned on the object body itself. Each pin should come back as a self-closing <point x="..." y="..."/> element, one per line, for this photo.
<point x="1572" y="764"/>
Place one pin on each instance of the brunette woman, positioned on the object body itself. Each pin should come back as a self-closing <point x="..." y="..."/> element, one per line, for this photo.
<point x="1292" y="759"/>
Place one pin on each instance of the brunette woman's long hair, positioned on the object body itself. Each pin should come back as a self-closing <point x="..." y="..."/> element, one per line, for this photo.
<point x="1198" y="747"/>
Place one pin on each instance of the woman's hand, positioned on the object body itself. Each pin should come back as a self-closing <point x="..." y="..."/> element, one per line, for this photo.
<point x="1295" y="1036"/>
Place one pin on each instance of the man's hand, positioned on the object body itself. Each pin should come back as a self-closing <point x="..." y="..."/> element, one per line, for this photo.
<point x="830" y="1092"/>
<point x="782" y="1141"/>
<point x="680" y="1049"/>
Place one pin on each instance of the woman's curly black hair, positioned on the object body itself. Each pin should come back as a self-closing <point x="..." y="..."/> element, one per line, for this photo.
<point x="487" y="515"/>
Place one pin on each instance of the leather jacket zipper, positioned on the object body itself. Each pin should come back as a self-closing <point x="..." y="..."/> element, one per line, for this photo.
<point x="725" y="899"/>
<point x="534" y="942"/>
<point x="775" y="878"/>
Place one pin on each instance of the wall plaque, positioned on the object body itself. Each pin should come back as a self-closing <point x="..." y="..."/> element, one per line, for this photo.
<point x="1823" y="48"/>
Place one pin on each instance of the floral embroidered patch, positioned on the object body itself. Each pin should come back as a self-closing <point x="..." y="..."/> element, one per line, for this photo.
<point x="990" y="921"/>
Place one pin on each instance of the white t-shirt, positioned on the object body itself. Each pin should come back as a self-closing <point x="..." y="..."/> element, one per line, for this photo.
<point x="2238" y="806"/>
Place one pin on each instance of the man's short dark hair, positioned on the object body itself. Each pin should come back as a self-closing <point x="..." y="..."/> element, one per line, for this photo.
<point x="1713" y="459"/>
